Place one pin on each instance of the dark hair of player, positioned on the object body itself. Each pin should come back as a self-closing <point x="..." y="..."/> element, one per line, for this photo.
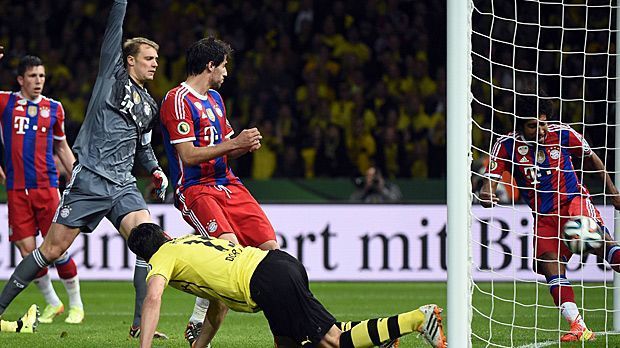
<point x="26" y="63"/>
<point x="203" y="51"/>
<point x="529" y="107"/>
<point x="145" y="239"/>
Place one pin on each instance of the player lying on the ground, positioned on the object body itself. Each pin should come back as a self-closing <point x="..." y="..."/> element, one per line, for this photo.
<point x="26" y="324"/>
<point x="249" y="280"/>
<point x="540" y="157"/>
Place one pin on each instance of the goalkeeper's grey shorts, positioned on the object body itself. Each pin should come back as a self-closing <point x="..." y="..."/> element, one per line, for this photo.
<point x="89" y="198"/>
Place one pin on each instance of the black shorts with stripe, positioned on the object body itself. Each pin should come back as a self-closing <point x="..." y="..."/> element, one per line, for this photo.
<point x="280" y="287"/>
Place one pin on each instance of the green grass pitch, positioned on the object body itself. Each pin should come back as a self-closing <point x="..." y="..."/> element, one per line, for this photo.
<point x="109" y="309"/>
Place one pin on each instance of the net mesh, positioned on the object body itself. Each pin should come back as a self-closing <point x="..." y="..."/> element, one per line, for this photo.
<point x="564" y="53"/>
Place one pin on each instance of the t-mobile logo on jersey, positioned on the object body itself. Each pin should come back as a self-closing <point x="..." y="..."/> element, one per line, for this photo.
<point x="533" y="174"/>
<point x="21" y="123"/>
<point x="211" y="135"/>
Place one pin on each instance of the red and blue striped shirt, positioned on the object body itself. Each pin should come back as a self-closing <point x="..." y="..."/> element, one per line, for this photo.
<point x="29" y="128"/>
<point x="186" y="116"/>
<point x="544" y="172"/>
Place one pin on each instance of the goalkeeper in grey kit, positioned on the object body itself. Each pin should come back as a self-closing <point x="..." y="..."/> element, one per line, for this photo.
<point x="115" y="134"/>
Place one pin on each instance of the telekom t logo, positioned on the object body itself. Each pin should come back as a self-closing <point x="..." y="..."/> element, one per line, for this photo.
<point x="21" y="123"/>
<point x="533" y="174"/>
<point x="211" y="135"/>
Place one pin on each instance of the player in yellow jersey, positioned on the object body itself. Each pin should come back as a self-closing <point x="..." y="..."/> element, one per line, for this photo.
<point x="249" y="280"/>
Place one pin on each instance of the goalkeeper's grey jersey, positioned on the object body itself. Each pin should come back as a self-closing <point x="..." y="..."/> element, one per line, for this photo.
<point x="120" y="115"/>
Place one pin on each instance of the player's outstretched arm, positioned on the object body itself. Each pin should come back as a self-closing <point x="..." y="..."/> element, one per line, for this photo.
<point x="111" y="48"/>
<point x="150" y="309"/>
<point x="487" y="193"/>
<point x="594" y="163"/>
<point x="215" y="316"/>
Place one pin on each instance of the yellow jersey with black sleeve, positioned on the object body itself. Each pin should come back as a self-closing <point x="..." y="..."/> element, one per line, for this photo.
<point x="210" y="268"/>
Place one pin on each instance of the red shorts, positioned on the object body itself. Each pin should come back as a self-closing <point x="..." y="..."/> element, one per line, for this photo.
<point x="30" y="211"/>
<point x="214" y="210"/>
<point x="548" y="228"/>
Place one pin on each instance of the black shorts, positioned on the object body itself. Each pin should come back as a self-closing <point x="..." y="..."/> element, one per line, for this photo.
<point x="279" y="286"/>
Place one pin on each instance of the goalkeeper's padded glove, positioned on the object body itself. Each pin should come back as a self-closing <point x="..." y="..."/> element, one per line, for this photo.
<point x="160" y="182"/>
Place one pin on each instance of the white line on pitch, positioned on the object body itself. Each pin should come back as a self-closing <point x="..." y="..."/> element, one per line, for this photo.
<point x="538" y="345"/>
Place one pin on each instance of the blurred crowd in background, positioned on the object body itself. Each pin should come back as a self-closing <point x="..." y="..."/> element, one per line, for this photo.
<point x="564" y="53"/>
<point x="335" y="87"/>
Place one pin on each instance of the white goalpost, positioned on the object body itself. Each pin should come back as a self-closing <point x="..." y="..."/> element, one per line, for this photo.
<point x="566" y="51"/>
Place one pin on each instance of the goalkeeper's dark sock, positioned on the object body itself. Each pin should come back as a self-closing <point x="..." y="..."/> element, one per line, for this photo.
<point x="613" y="257"/>
<point x="374" y="332"/>
<point x="139" y="282"/>
<point x="24" y="273"/>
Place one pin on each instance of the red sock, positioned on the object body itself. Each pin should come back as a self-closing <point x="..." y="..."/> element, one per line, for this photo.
<point x="67" y="270"/>
<point x="41" y="273"/>
<point x="560" y="289"/>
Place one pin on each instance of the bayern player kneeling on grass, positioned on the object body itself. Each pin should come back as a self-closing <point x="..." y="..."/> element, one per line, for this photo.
<point x="539" y="155"/>
<point x="250" y="280"/>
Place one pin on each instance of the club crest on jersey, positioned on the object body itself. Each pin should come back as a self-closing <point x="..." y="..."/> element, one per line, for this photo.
<point x="136" y="97"/>
<point x="493" y="165"/>
<point x="45" y="112"/>
<point x="65" y="211"/>
<point x="31" y="111"/>
<point x="183" y="128"/>
<point x="212" y="226"/>
<point x="219" y="112"/>
<point x="554" y="153"/>
<point x="540" y="156"/>
<point x="523" y="150"/>
<point x="211" y="115"/>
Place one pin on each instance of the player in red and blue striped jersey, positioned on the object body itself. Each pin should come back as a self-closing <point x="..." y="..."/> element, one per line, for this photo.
<point x="198" y="141"/>
<point x="32" y="132"/>
<point x="541" y="155"/>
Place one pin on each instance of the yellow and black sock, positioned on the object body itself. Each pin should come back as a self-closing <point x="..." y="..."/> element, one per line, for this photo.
<point x="374" y="332"/>
<point x="346" y="325"/>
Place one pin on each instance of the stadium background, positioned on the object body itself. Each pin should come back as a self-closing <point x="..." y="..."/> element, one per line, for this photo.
<point x="331" y="85"/>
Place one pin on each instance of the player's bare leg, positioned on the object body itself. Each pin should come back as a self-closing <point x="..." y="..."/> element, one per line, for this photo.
<point x="141" y="269"/>
<point x="561" y="290"/>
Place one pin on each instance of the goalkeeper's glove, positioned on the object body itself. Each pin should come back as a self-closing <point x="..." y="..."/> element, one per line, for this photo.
<point x="160" y="182"/>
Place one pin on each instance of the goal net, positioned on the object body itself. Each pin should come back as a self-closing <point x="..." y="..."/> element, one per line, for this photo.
<point x="563" y="52"/>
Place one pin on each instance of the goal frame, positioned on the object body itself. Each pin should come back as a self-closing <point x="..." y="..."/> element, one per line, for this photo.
<point x="459" y="159"/>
